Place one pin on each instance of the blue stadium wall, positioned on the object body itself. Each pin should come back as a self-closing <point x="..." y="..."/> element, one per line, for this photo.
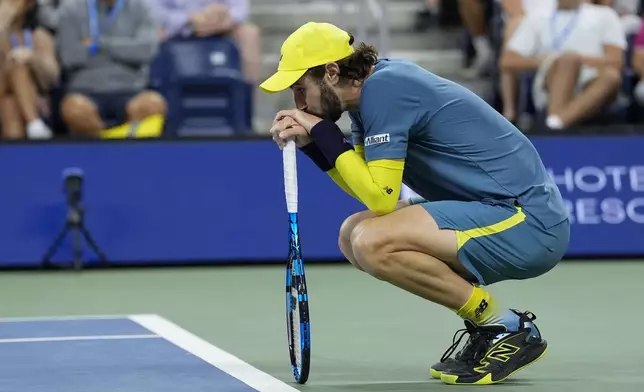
<point x="222" y="201"/>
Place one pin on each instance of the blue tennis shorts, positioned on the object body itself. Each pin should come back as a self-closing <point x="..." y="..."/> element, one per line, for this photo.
<point x="499" y="241"/>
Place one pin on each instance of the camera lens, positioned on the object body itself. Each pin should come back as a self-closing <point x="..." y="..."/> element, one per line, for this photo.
<point x="73" y="183"/>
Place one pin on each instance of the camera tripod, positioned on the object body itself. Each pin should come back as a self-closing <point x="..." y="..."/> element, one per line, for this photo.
<point x="74" y="225"/>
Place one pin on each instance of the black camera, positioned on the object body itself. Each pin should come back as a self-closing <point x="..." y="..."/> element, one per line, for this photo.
<point x="73" y="186"/>
<point x="75" y="222"/>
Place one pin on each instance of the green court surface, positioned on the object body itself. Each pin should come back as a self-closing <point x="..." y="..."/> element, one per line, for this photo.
<point x="366" y="334"/>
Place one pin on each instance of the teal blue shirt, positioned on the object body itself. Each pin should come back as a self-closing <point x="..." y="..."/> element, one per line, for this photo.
<point x="455" y="146"/>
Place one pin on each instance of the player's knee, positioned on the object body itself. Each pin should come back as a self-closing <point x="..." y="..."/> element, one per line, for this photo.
<point x="344" y="237"/>
<point x="372" y="249"/>
<point x="345" y="247"/>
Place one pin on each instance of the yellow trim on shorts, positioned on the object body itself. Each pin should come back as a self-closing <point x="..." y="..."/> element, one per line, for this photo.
<point x="463" y="236"/>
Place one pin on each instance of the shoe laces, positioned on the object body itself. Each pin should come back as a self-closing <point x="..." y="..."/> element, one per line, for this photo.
<point x="526" y="321"/>
<point x="476" y="345"/>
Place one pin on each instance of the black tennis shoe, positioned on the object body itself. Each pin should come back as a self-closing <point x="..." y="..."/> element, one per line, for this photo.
<point x="508" y="353"/>
<point x="474" y="349"/>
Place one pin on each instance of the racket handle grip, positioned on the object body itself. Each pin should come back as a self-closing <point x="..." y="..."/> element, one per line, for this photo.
<point x="290" y="176"/>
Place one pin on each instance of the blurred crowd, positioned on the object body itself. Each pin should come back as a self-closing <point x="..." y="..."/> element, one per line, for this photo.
<point x="568" y="61"/>
<point x="86" y="64"/>
<point x="97" y="55"/>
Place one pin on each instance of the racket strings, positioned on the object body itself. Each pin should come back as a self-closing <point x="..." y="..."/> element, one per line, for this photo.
<point x="295" y="314"/>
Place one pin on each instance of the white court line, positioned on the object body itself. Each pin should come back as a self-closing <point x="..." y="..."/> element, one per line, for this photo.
<point x="76" y="338"/>
<point x="224" y="361"/>
<point x="62" y="318"/>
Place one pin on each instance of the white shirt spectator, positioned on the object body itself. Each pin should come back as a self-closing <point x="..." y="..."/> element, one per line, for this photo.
<point x="584" y="31"/>
<point x="539" y="7"/>
<point x="536" y="7"/>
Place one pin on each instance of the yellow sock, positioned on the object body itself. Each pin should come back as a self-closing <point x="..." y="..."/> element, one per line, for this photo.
<point x="481" y="308"/>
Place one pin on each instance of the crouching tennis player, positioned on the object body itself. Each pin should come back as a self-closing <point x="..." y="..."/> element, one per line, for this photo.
<point x="489" y="211"/>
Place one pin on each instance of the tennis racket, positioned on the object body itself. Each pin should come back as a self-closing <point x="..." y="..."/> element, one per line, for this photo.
<point x="297" y="301"/>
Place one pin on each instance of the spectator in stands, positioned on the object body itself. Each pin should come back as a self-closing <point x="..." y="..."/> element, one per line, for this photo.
<point x="28" y="70"/>
<point x="205" y="18"/>
<point x="48" y="14"/>
<point x="515" y="11"/>
<point x="637" y="62"/>
<point x="578" y="54"/>
<point x="628" y="11"/>
<point x="473" y="15"/>
<point x="106" y="48"/>
<point x="427" y="16"/>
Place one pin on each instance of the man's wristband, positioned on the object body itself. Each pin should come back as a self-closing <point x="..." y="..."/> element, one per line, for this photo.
<point x="330" y="140"/>
<point x="312" y="151"/>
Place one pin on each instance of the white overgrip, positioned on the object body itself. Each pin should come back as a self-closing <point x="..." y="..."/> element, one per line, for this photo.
<point x="290" y="176"/>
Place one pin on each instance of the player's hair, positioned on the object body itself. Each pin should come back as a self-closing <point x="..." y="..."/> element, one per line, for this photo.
<point x="353" y="69"/>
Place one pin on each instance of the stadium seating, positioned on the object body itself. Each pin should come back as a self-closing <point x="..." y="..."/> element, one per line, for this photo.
<point x="201" y="80"/>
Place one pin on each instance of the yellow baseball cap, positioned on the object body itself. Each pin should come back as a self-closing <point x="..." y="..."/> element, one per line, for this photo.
<point x="311" y="45"/>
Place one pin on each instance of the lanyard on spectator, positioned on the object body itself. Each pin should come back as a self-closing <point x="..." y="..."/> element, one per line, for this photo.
<point x="558" y="39"/>
<point x="26" y="35"/>
<point x="94" y="29"/>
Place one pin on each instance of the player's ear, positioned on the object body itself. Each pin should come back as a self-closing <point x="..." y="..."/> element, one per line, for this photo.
<point x="332" y="73"/>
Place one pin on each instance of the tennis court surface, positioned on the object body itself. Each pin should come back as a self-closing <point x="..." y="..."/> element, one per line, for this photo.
<point x="223" y="329"/>
<point x="108" y="353"/>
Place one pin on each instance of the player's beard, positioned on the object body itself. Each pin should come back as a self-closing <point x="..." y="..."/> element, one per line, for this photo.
<point x="331" y="108"/>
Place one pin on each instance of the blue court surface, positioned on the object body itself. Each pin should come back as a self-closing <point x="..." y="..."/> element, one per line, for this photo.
<point x="118" y="353"/>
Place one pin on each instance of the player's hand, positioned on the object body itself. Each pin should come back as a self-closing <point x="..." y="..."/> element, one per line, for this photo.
<point x="287" y="128"/>
<point x="307" y="121"/>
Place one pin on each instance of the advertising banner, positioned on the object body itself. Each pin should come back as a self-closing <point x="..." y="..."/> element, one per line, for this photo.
<point x="602" y="182"/>
<point x="222" y="201"/>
